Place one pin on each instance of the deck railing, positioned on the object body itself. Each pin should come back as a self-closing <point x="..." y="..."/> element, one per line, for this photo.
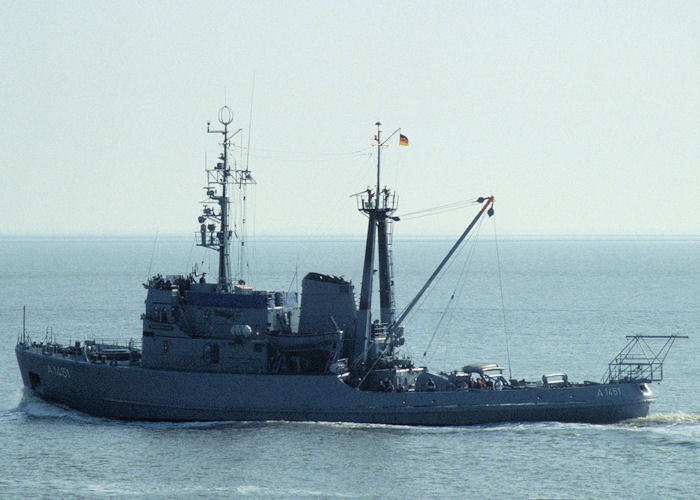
<point x="52" y="342"/>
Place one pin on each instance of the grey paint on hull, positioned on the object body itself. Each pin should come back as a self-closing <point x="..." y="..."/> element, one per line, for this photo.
<point x="130" y="392"/>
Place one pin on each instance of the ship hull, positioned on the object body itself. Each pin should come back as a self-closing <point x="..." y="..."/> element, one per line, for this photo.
<point x="130" y="392"/>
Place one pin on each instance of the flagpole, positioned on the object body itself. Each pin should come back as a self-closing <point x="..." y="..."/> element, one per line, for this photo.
<point x="381" y="143"/>
<point x="379" y="156"/>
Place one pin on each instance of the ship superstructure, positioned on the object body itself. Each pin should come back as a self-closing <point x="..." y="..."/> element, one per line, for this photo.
<point x="227" y="325"/>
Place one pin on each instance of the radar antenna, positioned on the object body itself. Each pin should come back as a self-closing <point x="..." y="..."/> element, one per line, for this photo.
<point x="215" y="225"/>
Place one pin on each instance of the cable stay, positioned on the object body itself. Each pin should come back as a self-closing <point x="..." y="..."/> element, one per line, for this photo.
<point x="503" y="302"/>
<point x="488" y="208"/>
<point x="294" y="278"/>
<point x="459" y="285"/>
<point x="439" y="209"/>
<point x="299" y="155"/>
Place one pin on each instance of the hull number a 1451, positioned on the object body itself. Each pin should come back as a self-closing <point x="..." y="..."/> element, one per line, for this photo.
<point x="609" y="391"/>
<point x="58" y="371"/>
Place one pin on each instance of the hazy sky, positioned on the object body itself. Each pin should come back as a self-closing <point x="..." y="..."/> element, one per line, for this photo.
<point x="580" y="117"/>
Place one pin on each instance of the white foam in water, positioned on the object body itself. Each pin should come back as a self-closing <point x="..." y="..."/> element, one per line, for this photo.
<point x="35" y="407"/>
<point x="664" y="419"/>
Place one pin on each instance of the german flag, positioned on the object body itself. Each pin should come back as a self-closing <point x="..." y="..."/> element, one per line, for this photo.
<point x="403" y="140"/>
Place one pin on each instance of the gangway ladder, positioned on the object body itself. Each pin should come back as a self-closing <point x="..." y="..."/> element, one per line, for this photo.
<point x="639" y="361"/>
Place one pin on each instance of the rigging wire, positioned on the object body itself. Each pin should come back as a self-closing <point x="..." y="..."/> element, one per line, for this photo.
<point x="153" y="252"/>
<point x="252" y="240"/>
<point x="294" y="278"/>
<point x="302" y="155"/>
<point x="440" y="212"/>
<point x="250" y="255"/>
<point x="503" y="303"/>
<point x="250" y="124"/>
<point x="366" y="170"/>
<point x="189" y="257"/>
<point x="442" y="274"/>
<point x="439" y="209"/>
<point x="439" y="279"/>
<point x="458" y="284"/>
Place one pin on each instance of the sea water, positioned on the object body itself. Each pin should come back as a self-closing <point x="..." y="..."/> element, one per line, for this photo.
<point x="533" y="305"/>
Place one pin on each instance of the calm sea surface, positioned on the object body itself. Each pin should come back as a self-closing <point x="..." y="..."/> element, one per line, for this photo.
<point x="566" y="305"/>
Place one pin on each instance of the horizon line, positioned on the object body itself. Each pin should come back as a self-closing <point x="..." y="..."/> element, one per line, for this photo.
<point x="659" y="236"/>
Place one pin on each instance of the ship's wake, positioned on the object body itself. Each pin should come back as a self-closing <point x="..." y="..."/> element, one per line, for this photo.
<point x="664" y="419"/>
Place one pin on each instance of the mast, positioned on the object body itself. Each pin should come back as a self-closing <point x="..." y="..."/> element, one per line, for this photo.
<point x="215" y="231"/>
<point x="385" y="205"/>
<point x="364" y="317"/>
<point x="379" y="206"/>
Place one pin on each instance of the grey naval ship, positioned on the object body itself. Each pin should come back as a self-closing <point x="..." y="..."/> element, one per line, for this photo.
<point x="225" y="351"/>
